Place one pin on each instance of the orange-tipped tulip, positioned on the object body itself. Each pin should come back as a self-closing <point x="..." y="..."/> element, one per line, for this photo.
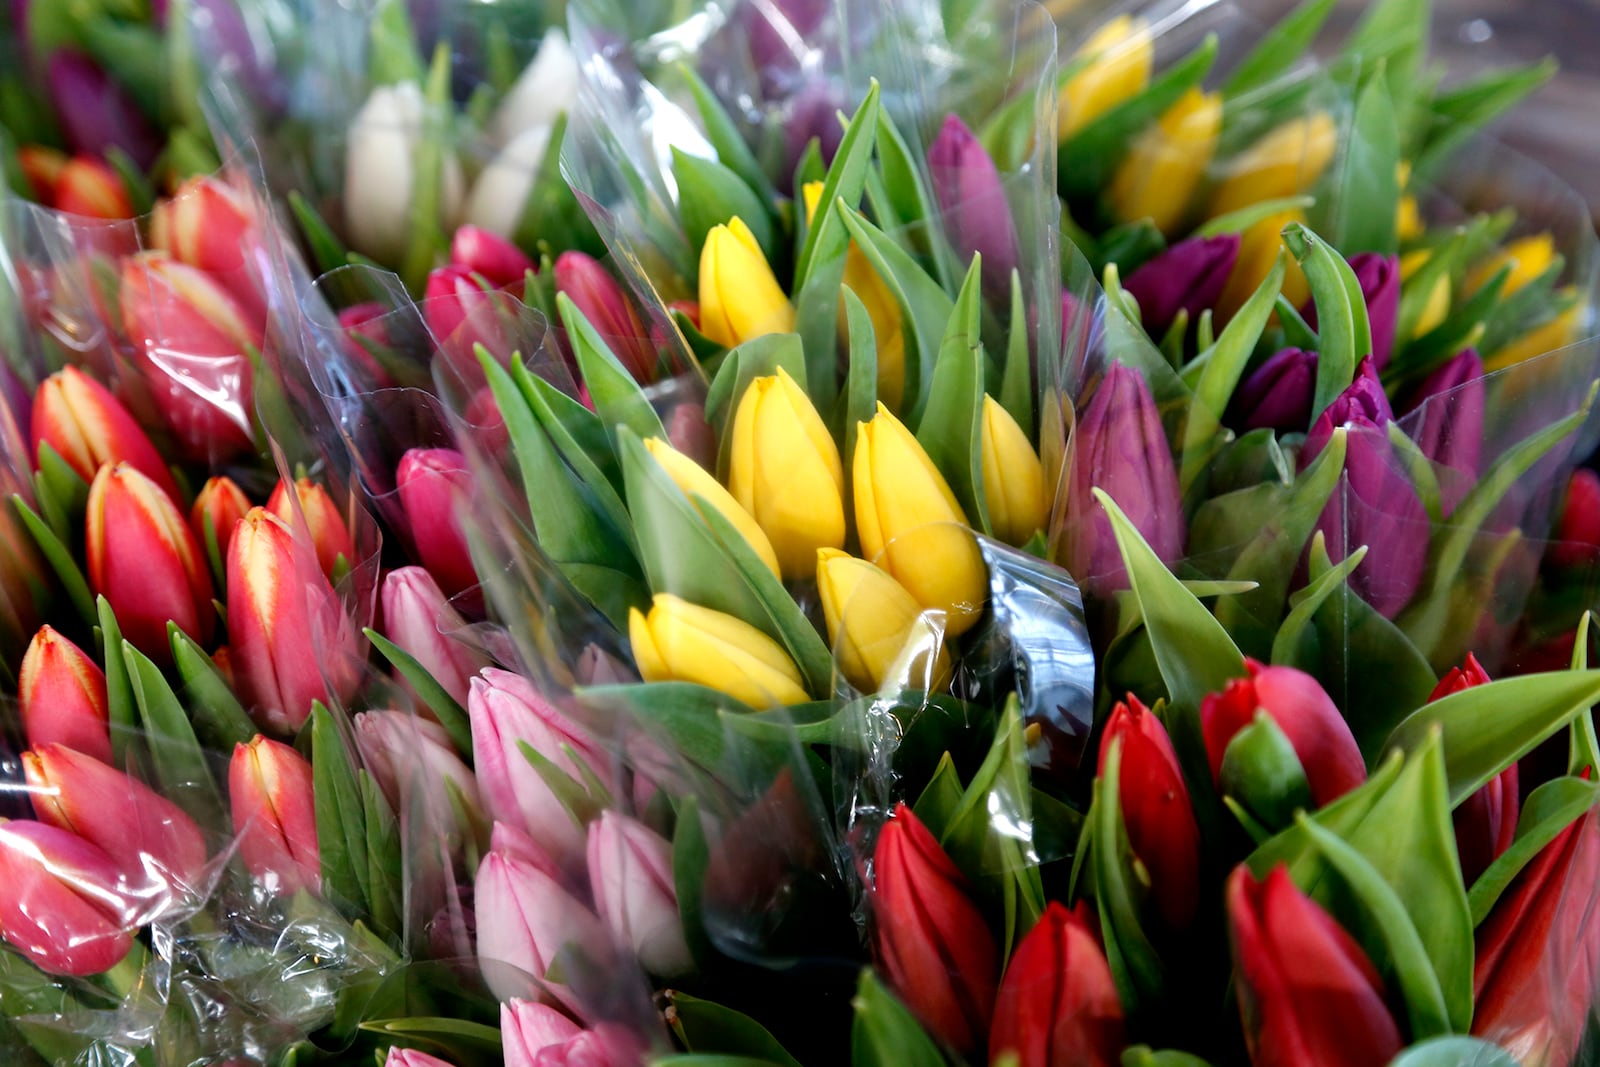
<point x="221" y="504"/>
<point x="274" y="814"/>
<point x="63" y="908"/>
<point x="61" y="694"/>
<point x="89" y="187"/>
<point x="144" y="560"/>
<point x="205" y="224"/>
<point x="329" y="534"/>
<point x="88" y="427"/>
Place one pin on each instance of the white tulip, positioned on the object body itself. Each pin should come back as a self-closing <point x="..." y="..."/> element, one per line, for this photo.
<point x="501" y="191"/>
<point x="546" y="88"/>
<point x="379" y="176"/>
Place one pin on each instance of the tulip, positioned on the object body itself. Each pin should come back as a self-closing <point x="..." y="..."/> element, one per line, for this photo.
<point x="739" y="297"/>
<point x="144" y="560"/>
<point x="887" y="330"/>
<point x="1308" y="994"/>
<point x="410" y="1057"/>
<point x="380" y="171"/>
<point x="1554" y="333"/>
<point x="61" y="696"/>
<point x="42" y="165"/>
<point x="208" y="225"/>
<point x="414" y="763"/>
<point x="910" y="524"/>
<point x="506" y="711"/>
<point x="417" y="618"/>
<point x="932" y="942"/>
<point x="329" y="534"/>
<point x="89" y="187"/>
<point x="1577" y="534"/>
<point x="1278" y="394"/>
<point x="598" y="295"/>
<point x="547" y="87"/>
<point x="1533" y="977"/>
<point x="1449" y="429"/>
<point x="1438" y="306"/>
<point x="1485" y="822"/>
<point x="876" y="628"/>
<point x="434" y="486"/>
<point x="63" y="907"/>
<point x="1158" y="176"/>
<point x="220" y="505"/>
<point x="525" y="918"/>
<point x="1057" y="1005"/>
<point x="194" y="339"/>
<point x="1528" y="257"/>
<point x="1189" y="276"/>
<point x="1259" y="248"/>
<point x="502" y="189"/>
<point x="1285" y="162"/>
<point x="462" y="310"/>
<point x="704" y="491"/>
<point x="88" y="427"/>
<point x="1305" y="715"/>
<point x="972" y="199"/>
<point x="491" y="256"/>
<point x="1116" y="64"/>
<point x="1123" y="451"/>
<point x="1379" y="277"/>
<point x="812" y="114"/>
<point x="527" y="1028"/>
<point x="689" y="433"/>
<point x="274" y="816"/>
<point x="778" y="35"/>
<point x="1377" y="505"/>
<point x="683" y="642"/>
<point x="1013" y="477"/>
<point x="630" y="876"/>
<point x="784" y="469"/>
<point x="1155" y="808"/>
<point x="136" y="826"/>
<point x="96" y="115"/>
<point x="292" y="643"/>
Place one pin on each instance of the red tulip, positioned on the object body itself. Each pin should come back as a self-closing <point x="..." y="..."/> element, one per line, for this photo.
<point x="462" y="310"/>
<point x="329" y="534"/>
<point x="1577" y="534"/>
<point x="1058" y="1005"/>
<point x="144" y="560"/>
<point x="89" y="187"/>
<point x="88" y="427"/>
<point x="607" y="307"/>
<point x="1308" y="995"/>
<point x="274" y="814"/>
<point x="1156" y="808"/>
<point x="63" y="907"/>
<point x="1486" y="822"/>
<point x="488" y="254"/>
<point x="42" y="166"/>
<point x="61" y="695"/>
<point x="933" y="943"/>
<point x="434" y="487"/>
<point x="221" y="503"/>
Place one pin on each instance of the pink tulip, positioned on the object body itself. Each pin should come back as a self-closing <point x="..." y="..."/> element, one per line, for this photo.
<point x="61" y="694"/>
<point x="488" y="254"/>
<point x="525" y="918"/>
<point x="274" y="814"/>
<point x="630" y="875"/>
<point x="63" y="907"/>
<point x="221" y="503"/>
<point x="417" y="617"/>
<point x="435" y="487"/>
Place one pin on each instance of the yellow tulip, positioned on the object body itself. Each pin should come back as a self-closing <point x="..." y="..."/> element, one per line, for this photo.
<point x="1013" y="477"/>
<point x="1285" y="162"/>
<point x="1559" y="332"/>
<point x="739" y="297"/>
<point x="683" y="642"/>
<point x="910" y="523"/>
<point x="1438" y="305"/>
<point x="703" y="490"/>
<point x="1119" y="57"/>
<point x="876" y="628"/>
<point x="1158" y="176"/>
<point x="1407" y="217"/>
<point x="1528" y="258"/>
<point x="1258" y="250"/>
<point x="785" y="470"/>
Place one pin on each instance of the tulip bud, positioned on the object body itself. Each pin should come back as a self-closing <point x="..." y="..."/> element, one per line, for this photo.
<point x="417" y="618"/>
<point x="525" y="918"/>
<point x="683" y="642"/>
<point x="61" y="694"/>
<point x="1437" y="308"/>
<point x="887" y="330"/>
<point x="705" y="491"/>
<point x="502" y="188"/>
<point x="434" y="486"/>
<point x="1379" y="277"/>
<point x="1260" y="247"/>
<point x="194" y="339"/>
<point x="1116" y="64"/>
<point x="930" y="939"/>
<point x="462" y="311"/>
<point x="977" y="217"/>
<point x="414" y="763"/>
<point x="219" y="504"/>
<point x="1189" y="277"/>
<point x="1528" y="258"/>
<point x="89" y="187"/>
<point x="911" y="525"/>
<point x="292" y="643"/>
<point x="42" y="165"/>
<point x="739" y="297"/>
<point x="786" y="472"/>
<point x="63" y="907"/>
<point x="329" y="534"/>
<point x="528" y="1027"/>
<point x="1278" y="394"/>
<point x="97" y="116"/>
<point x="1308" y="994"/>
<point x="410" y="1057"/>
<point x="547" y="86"/>
<point x="1058" y="1005"/>
<point x="207" y="225"/>
<point x="1485" y="822"/>
<point x="1123" y="451"/>
<point x="1576" y="538"/>
<point x="145" y="562"/>
<point x="1013" y="477"/>
<point x="1158" y="176"/>
<point x="1450" y="428"/>
<point x="506" y="712"/>
<point x="275" y="816"/>
<point x="876" y="628"/>
<point x="1155" y="808"/>
<point x="1286" y="162"/>
<point x="689" y="433"/>
<point x="1305" y="714"/>
<point x="491" y="256"/>
<point x="602" y="300"/>
<point x="380" y="176"/>
<point x="88" y="427"/>
<point x="630" y="875"/>
<point x="136" y="826"/>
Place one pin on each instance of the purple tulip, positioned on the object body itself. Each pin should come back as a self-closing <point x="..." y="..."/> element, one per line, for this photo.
<point x="1189" y="276"/>
<point x="94" y="111"/>
<point x="813" y="112"/>
<point x="1380" y="287"/>
<point x="1122" y="450"/>
<point x="1447" y="423"/>
<point x="780" y="34"/>
<point x="1377" y="505"/>
<point x="977" y="217"/>
<point x="1278" y="395"/>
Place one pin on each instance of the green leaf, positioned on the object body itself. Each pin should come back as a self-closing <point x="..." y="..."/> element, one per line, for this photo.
<point x="427" y="240"/>
<point x="884" y="1033"/>
<point x="61" y="485"/>
<point x="341" y="820"/>
<point x="1279" y="49"/>
<point x="951" y="427"/>
<point x="1306" y="604"/>
<point x="1016" y="382"/>
<point x="60" y="558"/>
<point x="1394" y="33"/>
<point x="826" y="240"/>
<point x="1454" y="1052"/>
<point x="220" y="720"/>
<point x="1456" y="115"/>
<point x="617" y="397"/>
<point x="392" y="49"/>
<point x="451" y="715"/>
<point x="1135" y="966"/>
<point x="1246" y="217"/>
<point x="580" y="437"/>
<point x="940" y="798"/>
<point x="913" y="201"/>
<point x="1549" y="810"/>
<point x="724" y="135"/>
<point x="122" y="706"/>
<point x="1341" y="313"/>
<point x="861" y="381"/>
<point x="710" y="194"/>
<point x="1262" y="778"/>
<point x="1366" y="185"/>
<point x="691" y="854"/>
<point x="1419" y="468"/>
<point x="755" y="358"/>
<point x="383" y="858"/>
<point x="180" y="763"/>
<point x="700" y="1025"/>
<point x="1144" y="1056"/>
